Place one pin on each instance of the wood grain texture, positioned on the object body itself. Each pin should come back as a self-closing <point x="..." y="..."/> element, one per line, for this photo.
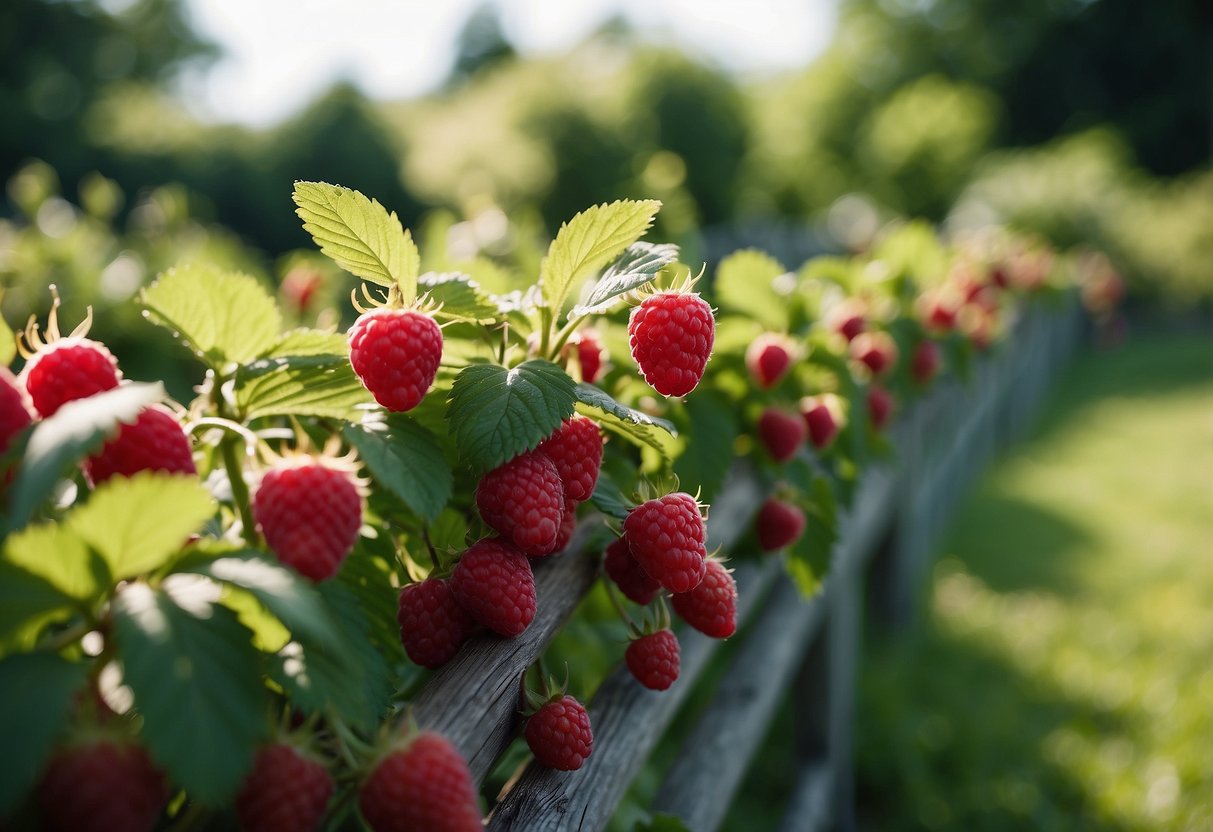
<point x="809" y="808"/>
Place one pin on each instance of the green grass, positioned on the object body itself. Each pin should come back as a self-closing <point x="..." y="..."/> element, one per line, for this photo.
<point x="1063" y="677"/>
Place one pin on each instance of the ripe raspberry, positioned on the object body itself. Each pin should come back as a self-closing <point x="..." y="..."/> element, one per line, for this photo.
<point x="875" y="350"/>
<point x="628" y="575"/>
<point x="155" y="441"/>
<point x="285" y="791"/>
<point x="779" y="524"/>
<point x="666" y="537"/>
<point x="711" y="607"/>
<point x="848" y="318"/>
<point x="781" y="433"/>
<point x="524" y="501"/>
<point x="567" y="527"/>
<point x="395" y="353"/>
<point x="924" y="364"/>
<point x="69" y="369"/>
<point x="937" y="310"/>
<point x="422" y="784"/>
<point x="101" y="786"/>
<point x="14" y="409"/>
<point x="559" y="734"/>
<point x="589" y="354"/>
<point x="310" y="515"/>
<point x="671" y="336"/>
<point x="820" y="419"/>
<point x="432" y="624"/>
<point x="768" y="359"/>
<point x="494" y="584"/>
<point x="576" y="450"/>
<point x="880" y="406"/>
<point x="653" y="659"/>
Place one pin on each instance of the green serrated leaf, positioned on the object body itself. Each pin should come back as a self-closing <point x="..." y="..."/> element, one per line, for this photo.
<point x="461" y="298"/>
<point x="808" y="559"/>
<point x="708" y="456"/>
<point x="136" y="524"/>
<point x="745" y="282"/>
<point x="633" y="425"/>
<point x="197" y="684"/>
<point x="406" y="459"/>
<point x="221" y="316"/>
<point x="359" y="235"/>
<point x="303" y="342"/>
<point x="27" y="603"/>
<point x="293" y="600"/>
<point x="496" y="414"/>
<point x="58" y="555"/>
<point x="39" y="689"/>
<point x="301" y="385"/>
<point x="589" y="241"/>
<point x="638" y="265"/>
<point x="76" y="430"/>
<point x="609" y="498"/>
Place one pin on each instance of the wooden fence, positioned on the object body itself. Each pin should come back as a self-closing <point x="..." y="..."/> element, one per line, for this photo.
<point x="789" y="646"/>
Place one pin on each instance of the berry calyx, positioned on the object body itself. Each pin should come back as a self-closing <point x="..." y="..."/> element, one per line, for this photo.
<point x="671" y="336"/>
<point x="286" y="790"/>
<point x="711" y="607"/>
<point x="432" y="624"/>
<point x="155" y="441"/>
<point x="575" y="448"/>
<point x="778" y="524"/>
<point x="422" y="783"/>
<point x="666" y="537"/>
<point x="309" y="514"/>
<point x="628" y="575"/>
<point x="821" y="419"/>
<point x="395" y="353"/>
<point x="768" y="359"/>
<point x="523" y="500"/>
<point x="781" y="433"/>
<point x="654" y="659"/>
<point x="559" y="734"/>
<point x="494" y="584"/>
<point x="102" y="785"/>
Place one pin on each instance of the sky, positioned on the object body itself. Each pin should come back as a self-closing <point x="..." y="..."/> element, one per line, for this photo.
<point x="280" y="54"/>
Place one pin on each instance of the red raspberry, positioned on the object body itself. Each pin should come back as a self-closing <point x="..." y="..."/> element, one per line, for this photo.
<point x="14" y="409"/>
<point x="924" y="364"/>
<point x="671" y="336"/>
<point x="666" y="537"/>
<point x="937" y="309"/>
<point x="627" y="574"/>
<point x="848" y="318"/>
<point x="422" y="784"/>
<point x="494" y="583"/>
<point x="880" y="406"/>
<point x="310" y="515"/>
<point x="153" y="442"/>
<point x="300" y="285"/>
<point x="432" y="624"/>
<point x="779" y="524"/>
<point x="875" y="350"/>
<point x="559" y="734"/>
<point x="820" y="419"/>
<point x="576" y="451"/>
<point x="396" y="352"/>
<point x="589" y="355"/>
<point x="524" y="501"/>
<point x="768" y="359"/>
<point x="567" y="527"/>
<point x="101" y="786"/>
<point x="285" y="791"/>
<point x="711" y="607"/>
<point x="781" y="433"/>
<point x="653" y="659"/>
<point x="69" y="369"/>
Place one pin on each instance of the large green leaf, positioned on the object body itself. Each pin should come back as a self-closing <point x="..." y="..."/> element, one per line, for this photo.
<point x="58" y="555"/>
<point x="460" y="297"/>
<point x="708" y="456"/>
<point x="633" y="425"/>
<point x="301" y="342"/>
<point x="589" y="241"/>
<point x="634" y="268"/>
<point x="406" y="459"/>
<point x="359" y="235"/>
<point x="27" y="603"/>
<point x="222" y="316"/>
<point x="745" y="282"/>
<point x="76" y="430"/>
<point x="496" y="414"/>
<point x="136" y="524"/>
<point x="197" y="684"/>
<point x="39" y="689"/>
<point x="808" y="559"/>
<point x="301" y="385"/>
<point x="609" y="498"/>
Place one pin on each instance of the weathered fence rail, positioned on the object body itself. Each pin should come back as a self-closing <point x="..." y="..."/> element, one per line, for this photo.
<point x="790" y="647"/>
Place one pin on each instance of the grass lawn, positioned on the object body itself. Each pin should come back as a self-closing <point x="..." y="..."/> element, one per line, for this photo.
<point x="1063" y="676"/>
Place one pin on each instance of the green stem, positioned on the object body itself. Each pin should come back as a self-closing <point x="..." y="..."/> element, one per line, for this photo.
<point x="545" y="327"/>
<point x="565" y="334"/>
<point x="240" y="495"/>
<point x="65" y="638"/>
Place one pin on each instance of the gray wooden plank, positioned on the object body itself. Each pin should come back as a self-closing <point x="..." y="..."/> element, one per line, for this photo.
<point x="809" y="808"/>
